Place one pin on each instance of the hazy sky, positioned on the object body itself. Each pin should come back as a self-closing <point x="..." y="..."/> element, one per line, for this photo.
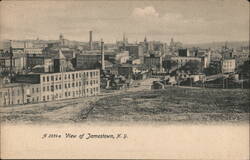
<point x="188" y="21"/>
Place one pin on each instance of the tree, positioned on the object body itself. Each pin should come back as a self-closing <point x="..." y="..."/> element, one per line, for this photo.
<point x="244" y="69"/>
<point x="214" y="68"/>
<point x="193" y="67"/>
<point x="169" y="64"/>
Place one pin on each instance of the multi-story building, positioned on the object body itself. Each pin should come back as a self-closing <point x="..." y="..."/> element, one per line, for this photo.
<point x="33" y="88"/>
<point x="11" y="94"/>
<point x="135" y="51"/>
<point x="91" y="59"/>
<point x="33" y="50"/>
<point x="181" y="61"/>
<point x="18" y="63"/>
<point x="228" y="65"/>
<point x="154" y="62"/>
<point x="69" y="84"/>
<point x="183" y="53"/>
<point x="117" y="57"/>
<point x="34" y="60"/>
<point x="19" y="93"/>
<point x="87" y="61"/>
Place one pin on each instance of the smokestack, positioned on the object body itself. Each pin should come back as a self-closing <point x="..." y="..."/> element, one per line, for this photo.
<point x="11" y="59"/>
<point x="90" y="40"/>
<point x="102" y="52"/>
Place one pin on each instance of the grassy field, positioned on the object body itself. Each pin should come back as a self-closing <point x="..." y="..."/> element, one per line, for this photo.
<point x="174" y="104"/>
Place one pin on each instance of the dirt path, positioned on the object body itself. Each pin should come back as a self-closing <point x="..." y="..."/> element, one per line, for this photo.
<point x="70" y="110"/>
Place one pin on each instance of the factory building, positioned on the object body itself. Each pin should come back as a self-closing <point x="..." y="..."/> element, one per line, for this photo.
<point x="34" y="88"/>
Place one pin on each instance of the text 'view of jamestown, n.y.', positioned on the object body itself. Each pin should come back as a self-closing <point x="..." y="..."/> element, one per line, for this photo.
<point x="124" y="61"/>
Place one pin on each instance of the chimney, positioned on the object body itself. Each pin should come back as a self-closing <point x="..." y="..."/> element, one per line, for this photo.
<point x="11" y="59"/>
<point x="90" y="40"/>
<point x="102" y="52"/>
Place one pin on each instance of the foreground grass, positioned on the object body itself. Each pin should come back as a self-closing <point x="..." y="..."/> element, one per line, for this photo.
<point x="174" y="104"/>
<point x="170" y="105"/>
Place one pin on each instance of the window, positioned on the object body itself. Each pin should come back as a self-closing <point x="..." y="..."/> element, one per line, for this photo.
<point x="43" y="79"/>
<point x="76" y="84"/>
<point x="47" y="88"/>
<point x="65" y="94"/>
<point x="43" y="88"/>
<point x="56" y="87"/>
<point x="47" y="78"/>
<point x="80" y="84"/>
<point x="69" y="85"/>
<point x="37" y="90"/>
<point x="18" y="101"/>
<point x="33" y="90"/>
<point x="60" y="86"/>
<point x="65" y="85"/>
<point x="76" y="75"/>
<point x="60" y="77"/>
<point x="73" y="84"/>
<point x="65" y="77"/>
<point x="73" y="76"/>
<point x="47" y="97"/>
<point x="37" y="99"/>
<point x="52" y="78"/>
<point x="69" y="76"/>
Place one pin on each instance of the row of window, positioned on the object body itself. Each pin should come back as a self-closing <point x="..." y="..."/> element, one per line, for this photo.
<point x="69" y="85"/>
<point x="70" y="76"/>
<point x="73" y="94"/>
<point x="17" y="92"/>
<point x="6" y="102"/>
<point x="13" y="93"/>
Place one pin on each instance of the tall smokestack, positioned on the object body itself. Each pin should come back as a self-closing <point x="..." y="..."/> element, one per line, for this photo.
<point x="11" y="59"/>
<point x="90" y="40"/>
<point x="102" y="52"/>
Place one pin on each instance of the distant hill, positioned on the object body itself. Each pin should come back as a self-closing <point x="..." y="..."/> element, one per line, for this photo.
<point x="232" y="44"/>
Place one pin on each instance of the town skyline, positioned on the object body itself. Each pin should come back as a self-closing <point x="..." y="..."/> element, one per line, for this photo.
<point x="109" y="20"/>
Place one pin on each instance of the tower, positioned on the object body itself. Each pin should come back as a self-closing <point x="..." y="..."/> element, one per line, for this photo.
<point x="60" y="62"/>
<point x="124" y="42"/>
<point x="102" y="52"/>
<point x="90" y="40"/>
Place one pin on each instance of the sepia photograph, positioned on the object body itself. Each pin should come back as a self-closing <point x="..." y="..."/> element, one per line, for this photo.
<point x="124" y="79"/>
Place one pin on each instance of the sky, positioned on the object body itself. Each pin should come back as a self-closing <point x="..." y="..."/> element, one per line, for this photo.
<point x="188" y="21"/>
